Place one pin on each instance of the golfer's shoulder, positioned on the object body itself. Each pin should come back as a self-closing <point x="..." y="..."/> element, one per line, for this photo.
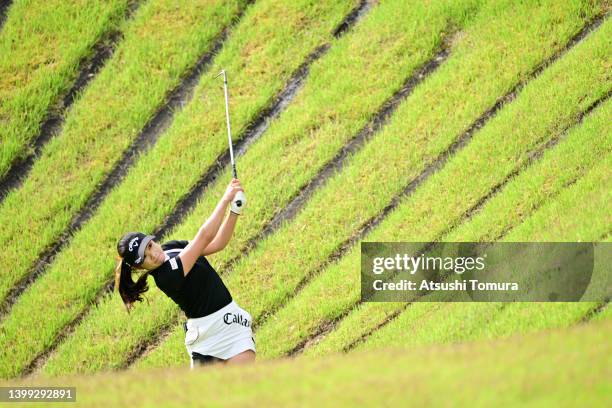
<point x="174" y="244"/>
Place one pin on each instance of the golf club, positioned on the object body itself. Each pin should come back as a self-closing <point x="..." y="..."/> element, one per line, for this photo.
<point x="239" y="199"/>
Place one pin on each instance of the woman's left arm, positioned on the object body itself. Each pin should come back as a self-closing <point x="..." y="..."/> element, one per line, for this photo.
<point x="223" y="235"/>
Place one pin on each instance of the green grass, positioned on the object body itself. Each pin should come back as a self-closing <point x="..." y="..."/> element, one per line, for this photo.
<point x="260" y="54"/>
<point x="160" y="45"/>
<point x="323" y="302"/>
<point x="337" y="287"/>
<point x="41" y="47"/>
<point x="342" y="112"/>
<point x="605" y="314"/>
<point x="558" y="368"/>
<point x="456" y="322"/>
<point x="336" y="108"/>
<point x="497" y="45"/>
<point x="558" y="169"/>
<point x="440" y="323"/>
<point x="451" y="322"/>
<point x="586" y="209"/>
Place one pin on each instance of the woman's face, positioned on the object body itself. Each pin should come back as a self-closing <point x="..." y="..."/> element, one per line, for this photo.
<point x="154" y="256"/>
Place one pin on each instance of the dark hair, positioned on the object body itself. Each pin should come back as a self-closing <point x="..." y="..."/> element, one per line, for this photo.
<point x="129" y="290"/>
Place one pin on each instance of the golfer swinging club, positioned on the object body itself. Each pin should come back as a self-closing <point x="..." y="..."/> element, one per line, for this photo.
<point x="217" y="329"/>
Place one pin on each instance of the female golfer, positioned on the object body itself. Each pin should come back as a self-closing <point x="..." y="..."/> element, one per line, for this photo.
<point x="217" y="329"/>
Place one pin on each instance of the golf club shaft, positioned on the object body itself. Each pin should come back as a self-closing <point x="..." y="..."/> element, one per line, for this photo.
<point x="239" y="199"/>
<point x="229" y="128"/>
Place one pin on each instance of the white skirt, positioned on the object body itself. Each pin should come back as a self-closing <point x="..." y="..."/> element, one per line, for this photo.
<point x="222" y="334"/>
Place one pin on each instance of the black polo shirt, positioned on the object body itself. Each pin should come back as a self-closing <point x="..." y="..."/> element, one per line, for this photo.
<point x="198" y="294"/>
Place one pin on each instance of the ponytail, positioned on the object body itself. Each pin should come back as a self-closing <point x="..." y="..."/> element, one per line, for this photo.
<point x="129" y="290"/>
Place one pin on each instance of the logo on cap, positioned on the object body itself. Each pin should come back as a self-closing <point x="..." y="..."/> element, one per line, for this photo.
<point x="131" y="244"/>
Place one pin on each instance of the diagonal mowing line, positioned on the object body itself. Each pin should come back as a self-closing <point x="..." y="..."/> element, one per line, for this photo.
<point x="337" y="163"/>
<point x="177" y="98"/>
<point x="591" y="314"/>
<point x="436" y="165"/>
<point x="380" y="118"/>
<point x="253" y="132"/>
<point x="327" y="327"/>
<point x="531" y="159"/>
<point x="595" y="311"/>
<point x="4" y="6"/>
<point x="382" y="324"/>
<point x="52" y="126"/>
<point x="145" y="140"/>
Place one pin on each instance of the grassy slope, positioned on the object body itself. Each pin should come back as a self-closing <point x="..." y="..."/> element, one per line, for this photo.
<point x="260" y="55"/>
<point x="133" y="330"/>
<point x="494" y="319"/>
<point x="454" y="322"/>
<point x="571" y="159"/>
<point x="159" y="46"/>
<point x="41" y="46"/>
<point x="557" y="368"/>
<point x="442" y="200"/>
<point x="586" y="209"/>
<point x="414" y="31"/>
<point x="326" y="301"/>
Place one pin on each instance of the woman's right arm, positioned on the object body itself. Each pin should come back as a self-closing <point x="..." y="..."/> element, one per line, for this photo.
<point x="208" y="230"/>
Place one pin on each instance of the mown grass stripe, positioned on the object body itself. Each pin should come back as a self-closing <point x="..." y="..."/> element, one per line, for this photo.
<point x="361" y="339"/>
<point x="336" y="164"/>
<point x="526" y="177"/>
<point x="531" y="159"/>
<point x="332" y="166"/>
<point x="524" y="318"/>
<point x="128" y="75"/>
<point x="304" y="239"/>
<point x="418" y="44"/>
<point x="44" y="46"/>
<point x="537" y="186"/>
<point x="562" y="154"/>
<point x="252" y="132"/>
<point x="176" y="99"/>
<point x="261" y="56"/>
<point x="444" y="322"/>
<point x="19" y="172"/>
<point x="584" y="220"/>
<point x="443" y="158"/>
<point x="576" y="156"/>
<point x="52" y="125"/>
<point x="500" y="318"/>
<point x="438" y="164"/>
<point x="386" y="308"/>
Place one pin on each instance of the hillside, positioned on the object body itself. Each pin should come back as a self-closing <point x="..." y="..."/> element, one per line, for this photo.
<point x="353" y="121"/>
